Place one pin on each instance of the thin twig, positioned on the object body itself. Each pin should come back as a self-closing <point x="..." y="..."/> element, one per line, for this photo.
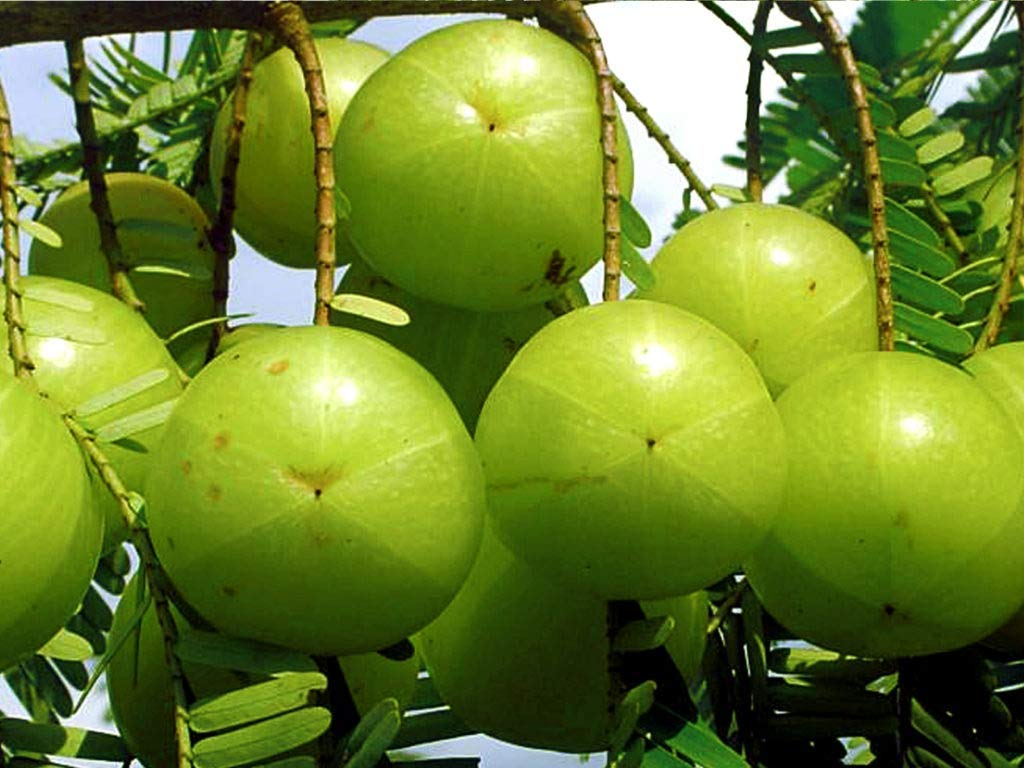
<point x="289" y="24"/>
<point x="1001" y="301"/>
<point x="675" y="157"/>
<point x="755" y="184"/>
<point x="840" y="50"/>
<point x="92" y="160"/>
<point x="13" y="315"/>
<point x="221" y="238"/>
<point x="156" y="579"/>
<point x="945" y="225"/>
<point x="571" y="16"/>
<point x="726" y="607"/>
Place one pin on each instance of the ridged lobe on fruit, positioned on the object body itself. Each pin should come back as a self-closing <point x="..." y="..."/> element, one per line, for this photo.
<point x="632" y="448"/>
<point x="323" y="472"/>
<point x="50" y="531"/>
<point x="466" y="351"/>
<point x="275" y="187"/>
<point x="85" y="343"/>
<point x="789" y="288"/>
<point x="156" y="223"/>
<point x="903" y="508"/>
<point x="141" y="693"/>
<point x="473" y="166"/>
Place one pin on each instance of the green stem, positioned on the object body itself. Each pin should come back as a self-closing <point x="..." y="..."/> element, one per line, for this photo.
<point x="945" y="226"/>
<point x="13" y="315"/>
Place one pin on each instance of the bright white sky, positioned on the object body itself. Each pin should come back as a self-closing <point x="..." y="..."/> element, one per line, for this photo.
<point x="685" y="66"/>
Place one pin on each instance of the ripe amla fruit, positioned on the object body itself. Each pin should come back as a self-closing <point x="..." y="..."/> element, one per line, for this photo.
<point x="163" y="236"/>
<point x="323" y="474"/>
<point x="900" y="529"/>
<point x="275" y="189"/>
<point x="791" y="289"/>
<point x="466" y="351"/>
<point x="631" y="448"/>
<point x="85" y="344"/>
<point x="50" y="530"/>
<point x="523" y="658"/>
<point x="141" y="692"/>
<point x="473" y="165"/>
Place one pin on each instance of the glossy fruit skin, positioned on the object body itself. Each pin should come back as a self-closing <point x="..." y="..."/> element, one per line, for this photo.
<point x="893" y="539"/>
<point x="524" y="658"/>
<point x="50" y="530"/>
<point x="999" y="370"/>
<point x="85" y="343"/>
<point x="465" y="351"/>
<point x="473" y="166"/>
<point x="632" y="448"/>
<point x="275" y="187"/>
<point x="789" y="288"/>
<point x="156" y="222"/>
<point x="141" y="693"/>
<point x="325" y="473"/>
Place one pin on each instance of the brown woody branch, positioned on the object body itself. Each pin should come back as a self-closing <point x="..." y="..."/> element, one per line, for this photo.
<point x="675" y="157"/>
<point x="92" y="160"/>
<point x="13" y="315"/>
<point x="221" y="238"/>
<point x="290" y="25"/>
<point x="1001" y="300"/>
<point x="839" y="48"/>
<point x="755" y="184"/>
<point x="572" y="17"/>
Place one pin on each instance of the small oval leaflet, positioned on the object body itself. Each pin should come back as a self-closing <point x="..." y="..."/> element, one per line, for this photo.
<point x="67" y="646"/>
<point x="257" y="742"/>
<point x="939" y="147"/>
<point x="633" y="225"/>
<point x="900" y="174"/>
<point x="370" y="308"/>
<point x="917" y="122"/>
<point x="58" y="740"/>
<point x="41" y="232"/>
<point x="914" y="253"/>
<point x="373" y="735"/>
<point x="121" y="393"/>
<point x="644" y="634"/>
<point x="175" y="269"/>
<point x="635" y="267"/>
<point x="901" y="219"/>
<point x="136" y="422"/>
<point x="965" y="174"/>
<point x="931" y="330"/>
<point x="28" y="195"/>
<point x="255" y="702"/>
<point x="925" y="292"/>
<point x="729" y="192"/>
<point x="222" y="652"/>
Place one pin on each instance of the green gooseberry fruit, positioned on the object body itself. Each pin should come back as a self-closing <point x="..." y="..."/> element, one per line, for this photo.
<point x="466" y="351"/>
<point x="275" y="189"/>
<point x="141" y="692"/>
<point x="242" y="333"/>
<point x="473" y="166"/>
<point x="899" y="528"/>
<point x="323" y="472"/>
<point x="163" y="236"/>
<point x="631" y="448"/>
<point x="50" y="530"/>
<point x="525" y="659"/>
<point x="86" y="343"/>
<point x="791" y="289"/>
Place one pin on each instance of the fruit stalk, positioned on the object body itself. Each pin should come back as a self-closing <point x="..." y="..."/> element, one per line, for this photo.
<point x="12" y="256"/>
<point x="839" y="48"/>
<point x="755" y="185"/>
<point x="92" y="160"/>
<point x="675" y="157"/>
<point x="289" y="23"/>
<point x="571" y="16"/>
<point x="156" y="580"/>
<point x="1001" y="300"/>
<point x="220" y="233"/>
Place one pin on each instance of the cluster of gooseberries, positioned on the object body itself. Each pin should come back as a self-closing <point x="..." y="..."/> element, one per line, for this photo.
<point x="318" y="487"/>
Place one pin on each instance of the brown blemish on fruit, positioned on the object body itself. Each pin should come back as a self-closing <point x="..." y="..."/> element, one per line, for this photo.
<point x="229" y="591"/>
<point x="510" y="345"/>
<point x="214" y="493"/>
<point x="901" y="520"/>
<point x="186" y="467"/>
<point x="221" y="440"/>
<point x="753" y="345"/>
<point x="812" y="286"/>
<point x="889" y="609"/>
<point x="556" y="273"/>
<point x="651" y="442"/>
<point x="316" y="481"/>
<point x="491" y="127"/>
<point x="278" y="367"/>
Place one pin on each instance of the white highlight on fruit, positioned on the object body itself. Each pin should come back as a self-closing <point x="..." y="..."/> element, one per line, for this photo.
<point x="915" y="427"/>
<point x="466" y="111"/>
<point x="655" y="358"/>
<point x="56" y="351"/>
<point x="331" y="389"/>
<point x="781" y="257"/>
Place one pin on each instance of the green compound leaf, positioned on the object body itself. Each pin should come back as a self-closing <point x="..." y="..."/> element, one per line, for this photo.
<point x="644" y="635"/>
<point x="899" y="218"/>
<point x="965" y="174"/>
<point x="931" y="330"/>
<point x="633" y="225"/>
<point x="215" y="650"/>
<point x="939" y="147"/>
<point x="913" y="253"/>
<point x="370" y="308"/>
<point x="133" y="423"/>
<point x="122" y="392"/>
<point x="255" y="702"/>
<point x="40" y="232"/>
<point x="925" y="292"/>
<point x="892" y="147"/>
<point x="900" y="174"/>
<point x="262" y="740"/>
<point x="67" y="646"/>
<point x="917" y="122"/>
<point x="61" y="741"/>
<point x="373" y="735"/>
<point x="636" y="268"/>
<point x="700" y="745"/>
<point x="789" y="37"/>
